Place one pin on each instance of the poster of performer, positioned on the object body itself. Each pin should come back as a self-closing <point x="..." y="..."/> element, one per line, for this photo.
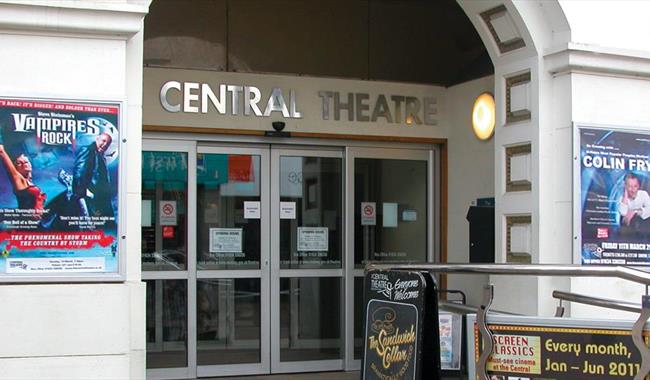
<point x="614" y="201"/>
<point x="58" y="188"/>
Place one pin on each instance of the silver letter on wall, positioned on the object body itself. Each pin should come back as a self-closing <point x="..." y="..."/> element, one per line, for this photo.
<point x="430" y="111"/>
<point x="276" y="103"/>
<point x="218" y="103"/>
<point x="326" y="96"/>
<point x="293" y="105"/>
<point x="252" y="96"/>
<point x="235" y="90"/>
<point x="163" y="96"/>
<point x="189" y="97"/>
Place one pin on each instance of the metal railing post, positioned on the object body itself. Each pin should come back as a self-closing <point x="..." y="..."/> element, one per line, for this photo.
<point x="486" y="334"/>
<point x="639" y="342"/>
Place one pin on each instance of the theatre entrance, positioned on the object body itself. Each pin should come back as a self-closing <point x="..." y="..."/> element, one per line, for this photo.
<point x="253" y="255"/>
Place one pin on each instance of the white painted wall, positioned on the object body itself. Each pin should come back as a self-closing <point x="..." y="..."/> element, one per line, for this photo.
<point x="87" y="50"/>
<point x="540" y="25"/>
<point x="471" y="176"/>
<point x="616" y="101"/>
<point x="589" y="62"/>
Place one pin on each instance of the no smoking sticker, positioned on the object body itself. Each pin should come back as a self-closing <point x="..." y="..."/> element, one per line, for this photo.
<point x="368" y="213"/>
<point x="167" y="213"/>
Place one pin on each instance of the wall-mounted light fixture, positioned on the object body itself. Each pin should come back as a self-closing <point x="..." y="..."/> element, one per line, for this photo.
<point x="484" y="116"/>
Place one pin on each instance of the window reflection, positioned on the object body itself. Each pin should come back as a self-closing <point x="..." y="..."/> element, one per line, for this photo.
<point x="310" y="319"/>
<point x="310" y="212"/>
<point x="164" y="211"/>
<point x="166" y="323"/>
<point x="228" y="321"/>
<point x="228" y="227"/>
<point x="397" y="191"/>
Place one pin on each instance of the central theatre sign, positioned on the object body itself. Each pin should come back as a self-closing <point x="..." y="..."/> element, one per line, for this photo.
<point x="194" y="97"/>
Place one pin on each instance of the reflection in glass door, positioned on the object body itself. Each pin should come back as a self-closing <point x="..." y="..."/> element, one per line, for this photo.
<point x="251" y="266"/>
<point x="307" y="260"/>
<point x="389" y="216"/>
<point x="166" y="268"/>
<point x="232" y="300"/>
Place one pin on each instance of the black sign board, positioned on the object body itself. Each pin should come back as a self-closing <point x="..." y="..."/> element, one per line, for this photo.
<point x="401" y="326"/>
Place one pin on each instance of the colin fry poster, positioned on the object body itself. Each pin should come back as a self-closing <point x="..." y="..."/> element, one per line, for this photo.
<point x="614" y="201"/>
<point x="58" y="187"/>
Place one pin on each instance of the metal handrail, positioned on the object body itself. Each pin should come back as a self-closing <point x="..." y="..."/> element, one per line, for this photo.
<point x="594" y="301"/>
<point x="624" y="273"/>
<point x="465" y="309"/>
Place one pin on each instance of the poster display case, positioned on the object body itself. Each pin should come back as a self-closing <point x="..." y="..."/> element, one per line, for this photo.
<point x="611" y="201"/>
<point x="60" y="190"/>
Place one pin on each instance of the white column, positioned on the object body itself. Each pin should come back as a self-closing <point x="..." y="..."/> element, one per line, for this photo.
<point x="608" y="87"/>
<point x="78" y="50"/>
<point x="532" y="186"/>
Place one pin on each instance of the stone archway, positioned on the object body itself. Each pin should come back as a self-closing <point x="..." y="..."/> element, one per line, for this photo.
<point x="533" y="219"/>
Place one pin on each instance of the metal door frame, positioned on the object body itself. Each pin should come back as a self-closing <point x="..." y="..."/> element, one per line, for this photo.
<point x="348" y="150"/>
<point x="263" y="367"/>
<point x="431" y="156"/>
<point x="189" y="274"/>
<point x="276" y="273"/>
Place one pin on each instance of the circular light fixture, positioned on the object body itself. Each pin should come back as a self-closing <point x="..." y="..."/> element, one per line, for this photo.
<point x="484" y="116"/>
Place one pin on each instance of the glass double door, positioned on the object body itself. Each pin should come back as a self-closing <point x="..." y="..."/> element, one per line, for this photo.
<point x="249" y="241"/>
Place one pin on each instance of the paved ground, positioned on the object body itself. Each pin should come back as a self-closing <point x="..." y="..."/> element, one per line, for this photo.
<point x="300" y="376"/>
<point x="307" y="376"/>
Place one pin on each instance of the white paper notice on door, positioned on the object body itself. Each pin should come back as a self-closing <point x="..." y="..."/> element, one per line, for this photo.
<point x="410" y="215"/>
<point x="390" y="215"/>
<point x="313" y="238"/>
<point x="225" y="240"/>
<point x="145" y="217"/>
<point x="287" y="210"/>
<point x="252" y="210"/>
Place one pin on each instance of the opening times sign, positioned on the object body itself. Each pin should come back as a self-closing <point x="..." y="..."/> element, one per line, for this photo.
<point x="59" y="167"/>
<point x="614" y="214"/>
<point x="559" y="353"/>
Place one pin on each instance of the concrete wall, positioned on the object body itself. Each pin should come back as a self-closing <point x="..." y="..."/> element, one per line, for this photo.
<point x="88" y="50"/>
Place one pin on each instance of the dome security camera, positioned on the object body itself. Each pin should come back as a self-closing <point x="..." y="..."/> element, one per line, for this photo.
<point x="278" y="125"/>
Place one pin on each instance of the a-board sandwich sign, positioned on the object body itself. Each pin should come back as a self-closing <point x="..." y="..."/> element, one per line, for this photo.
<point x="401" y="326"/>
<point x="59" y="190"/>
<point x="612" y="201"/>
<point x="526" y="352"/>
